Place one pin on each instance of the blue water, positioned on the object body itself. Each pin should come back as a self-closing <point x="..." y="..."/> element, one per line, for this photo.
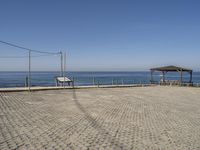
<point x="17" y="79"/>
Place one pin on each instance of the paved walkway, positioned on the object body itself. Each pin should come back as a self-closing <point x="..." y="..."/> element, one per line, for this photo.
<point x="109" y="118"/>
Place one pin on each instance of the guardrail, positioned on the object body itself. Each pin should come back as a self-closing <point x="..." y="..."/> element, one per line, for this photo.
<point x="48" y="80"/>
<point x="42" y="80"/>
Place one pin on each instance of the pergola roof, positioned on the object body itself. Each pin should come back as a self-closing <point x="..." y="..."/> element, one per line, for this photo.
<point x="171" y="68"/>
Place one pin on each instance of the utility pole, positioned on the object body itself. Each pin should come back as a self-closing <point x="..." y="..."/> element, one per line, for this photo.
<point x="29" y="70"/>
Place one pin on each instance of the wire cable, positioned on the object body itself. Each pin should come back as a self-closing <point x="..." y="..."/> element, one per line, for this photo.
<point x="28" y="49"/>
<point x="27" y="56"/>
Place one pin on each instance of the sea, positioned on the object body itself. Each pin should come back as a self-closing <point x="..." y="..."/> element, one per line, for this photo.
<point x="40" y="78"/>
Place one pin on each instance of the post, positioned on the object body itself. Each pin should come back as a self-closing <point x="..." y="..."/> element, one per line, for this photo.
<point x="93" y="80"/>
<point x="64" y="68"/>
<point x="29" y="70"/>
<point x="151" y="76"/>
<point x="112" y="81"/>
<point x="26" y="81"/>
<point x="190" y="76"/>
<point x="163" y="73"/>
<point x="61" y="64"/>
<point x="181" y="77"/>
<point x="73" y="82"/>
<point x="122" y="81"/>
<point x="56" y="82"/>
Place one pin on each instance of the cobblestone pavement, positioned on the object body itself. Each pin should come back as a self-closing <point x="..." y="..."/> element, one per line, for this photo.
<point x="110" y="118"/>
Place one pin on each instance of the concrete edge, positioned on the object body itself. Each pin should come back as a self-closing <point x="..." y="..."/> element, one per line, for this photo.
<point x="70" y="88"/>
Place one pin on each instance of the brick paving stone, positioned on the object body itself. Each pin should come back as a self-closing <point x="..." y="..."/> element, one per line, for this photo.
<point x="111" y="118"/>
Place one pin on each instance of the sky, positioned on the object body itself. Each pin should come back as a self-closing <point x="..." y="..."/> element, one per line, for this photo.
<point x="101" y="35"/>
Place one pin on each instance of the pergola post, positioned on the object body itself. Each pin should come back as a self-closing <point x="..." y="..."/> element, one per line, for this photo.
<point x="190" y="77"/>
<point x="151" y="76"/>
<point x="163" y="73"/>
<point x="181" y="76"/>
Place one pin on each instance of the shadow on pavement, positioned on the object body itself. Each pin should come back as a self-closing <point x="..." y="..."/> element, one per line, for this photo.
<point x="97" y="126"/>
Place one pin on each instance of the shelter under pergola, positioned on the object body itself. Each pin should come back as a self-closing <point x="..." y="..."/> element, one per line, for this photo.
<point x="166" y="69"/>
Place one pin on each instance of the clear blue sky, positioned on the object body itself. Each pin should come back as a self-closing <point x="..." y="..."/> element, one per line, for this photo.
<point x="102" y="35"/>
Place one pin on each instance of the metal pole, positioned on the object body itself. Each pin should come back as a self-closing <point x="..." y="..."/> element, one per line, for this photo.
<point x="73" y="82"/>
<point x="26" y="81"/>
<point x="93" y="80"/>
<point x="61" y="64"/>
<point x="29" y="70"/>
<point x="64" y="67"/>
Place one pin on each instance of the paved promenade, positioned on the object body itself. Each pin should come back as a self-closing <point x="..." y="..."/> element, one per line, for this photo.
<point x="105" y="118"/>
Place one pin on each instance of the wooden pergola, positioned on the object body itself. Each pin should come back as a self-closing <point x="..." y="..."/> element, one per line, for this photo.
<point x="166" y="69"/>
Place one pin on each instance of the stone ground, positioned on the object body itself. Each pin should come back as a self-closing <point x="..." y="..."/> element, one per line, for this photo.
<point x="104" y="118"/>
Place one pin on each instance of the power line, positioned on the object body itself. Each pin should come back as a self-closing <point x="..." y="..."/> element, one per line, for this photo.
<point x="28" y="49"/>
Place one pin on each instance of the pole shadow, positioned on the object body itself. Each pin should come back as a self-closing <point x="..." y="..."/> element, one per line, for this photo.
<point x="96" y="125"/>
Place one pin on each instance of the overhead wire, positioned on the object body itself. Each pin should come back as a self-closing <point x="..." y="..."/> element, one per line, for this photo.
<point x="26" y="56"/>
<point x="28" y="49"/>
